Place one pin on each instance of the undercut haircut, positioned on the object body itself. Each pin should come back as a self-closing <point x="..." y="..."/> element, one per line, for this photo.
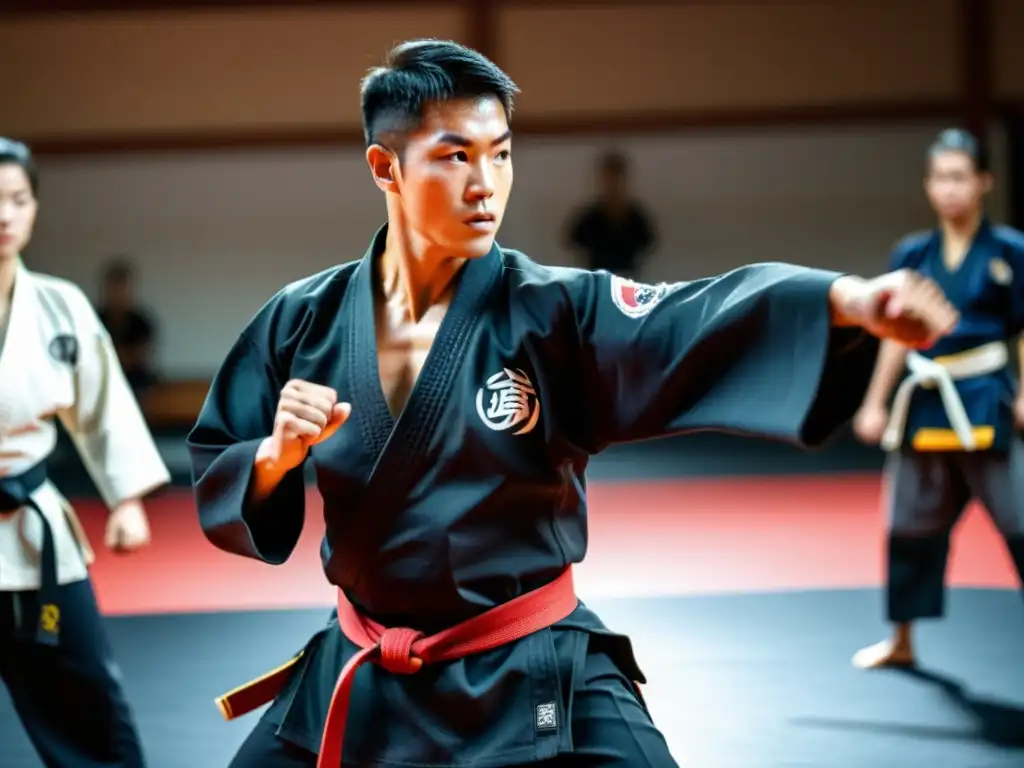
<point x="419" y="72"/>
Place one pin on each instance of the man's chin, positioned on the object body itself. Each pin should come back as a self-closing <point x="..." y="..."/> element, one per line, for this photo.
<point x="475" y="247"/>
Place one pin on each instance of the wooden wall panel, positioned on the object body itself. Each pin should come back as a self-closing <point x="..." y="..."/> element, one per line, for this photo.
<point x="702" y="56"/>
<point x="200" y="71"/>
<point x="1007" y="52"/>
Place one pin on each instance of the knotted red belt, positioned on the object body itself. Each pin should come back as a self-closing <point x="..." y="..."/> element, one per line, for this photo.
<point x="404" y="651"/>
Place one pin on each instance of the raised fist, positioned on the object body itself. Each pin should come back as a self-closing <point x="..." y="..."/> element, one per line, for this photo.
<point x="307" y="414"/>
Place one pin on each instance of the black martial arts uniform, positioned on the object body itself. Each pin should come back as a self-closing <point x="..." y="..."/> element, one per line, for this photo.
<point x="69" y="696"/>
<point x="476" y="494"/>
<point x="931" y="473"/>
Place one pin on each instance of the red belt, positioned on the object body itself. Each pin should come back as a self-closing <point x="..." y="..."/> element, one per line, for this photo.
<point x="405" y="651"/>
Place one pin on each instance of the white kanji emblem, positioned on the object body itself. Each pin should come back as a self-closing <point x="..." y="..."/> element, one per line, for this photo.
<point x="508" y="400"/>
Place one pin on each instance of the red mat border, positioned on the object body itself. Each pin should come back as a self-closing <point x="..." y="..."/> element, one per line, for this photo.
<point x="651" y="538"/>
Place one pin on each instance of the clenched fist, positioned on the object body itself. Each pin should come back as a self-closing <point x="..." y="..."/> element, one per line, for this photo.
<point x="307" y="414"/>
<point x="901" y="306"/>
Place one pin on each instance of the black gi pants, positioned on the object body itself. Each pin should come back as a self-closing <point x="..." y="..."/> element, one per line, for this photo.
<point x="69" y="697"/>
<point x="927" y="495"/>
<point x="610" y="729"/>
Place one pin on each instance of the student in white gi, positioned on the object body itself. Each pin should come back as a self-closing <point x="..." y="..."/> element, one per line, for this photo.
<point x="57" y="362"/>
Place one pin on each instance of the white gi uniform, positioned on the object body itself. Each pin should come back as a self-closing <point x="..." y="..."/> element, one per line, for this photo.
<point x="57" y="362"/>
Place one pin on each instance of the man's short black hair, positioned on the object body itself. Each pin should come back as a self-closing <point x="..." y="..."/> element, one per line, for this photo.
<point x="959" y="140"/>
<point x="16" y="152"/>
<point x="421" y="71"/>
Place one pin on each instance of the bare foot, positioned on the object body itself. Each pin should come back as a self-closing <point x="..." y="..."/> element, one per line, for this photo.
<point x="888" y="653"/>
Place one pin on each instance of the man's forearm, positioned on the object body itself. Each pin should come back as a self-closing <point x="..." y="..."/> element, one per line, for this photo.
<point x="845" y="296"/>
<point x="266" y="474"/>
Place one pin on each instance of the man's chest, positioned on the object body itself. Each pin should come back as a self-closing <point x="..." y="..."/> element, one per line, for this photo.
<point x="413" y="390"/>
<point x="403" y="346"/>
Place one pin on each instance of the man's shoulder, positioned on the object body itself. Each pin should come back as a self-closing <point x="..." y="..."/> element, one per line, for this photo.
<point x="579" y="287"/>
<point x="302" y="299"/>
<point x="315" y="287"/>
<point x="524" y="271"/>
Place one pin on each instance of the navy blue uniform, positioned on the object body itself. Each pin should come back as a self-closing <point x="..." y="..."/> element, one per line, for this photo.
<point x="932" y="476"/>
<point x="476" y="494"/>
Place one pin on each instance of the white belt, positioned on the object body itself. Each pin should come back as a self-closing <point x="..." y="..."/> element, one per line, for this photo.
<point x="942" y="373"/>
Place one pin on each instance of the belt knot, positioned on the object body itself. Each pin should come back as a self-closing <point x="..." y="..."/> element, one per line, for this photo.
<point x="396" y="651"/>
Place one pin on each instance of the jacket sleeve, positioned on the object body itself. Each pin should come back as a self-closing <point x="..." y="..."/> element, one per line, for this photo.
<point x="751" y="352"/>
<point x="237" y="415"/>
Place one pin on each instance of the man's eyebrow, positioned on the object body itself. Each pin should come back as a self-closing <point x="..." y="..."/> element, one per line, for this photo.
<point x="461" y="141"/>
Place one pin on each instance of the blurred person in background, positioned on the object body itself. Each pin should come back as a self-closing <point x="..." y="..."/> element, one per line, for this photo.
<point x="56" y="361"/>
<point x="130" y="327"/>
<point x="952" y="431"/>
<point x="613" y="232"/>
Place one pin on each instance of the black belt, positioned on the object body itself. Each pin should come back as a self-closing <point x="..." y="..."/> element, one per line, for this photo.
<point x="16" y="493"/>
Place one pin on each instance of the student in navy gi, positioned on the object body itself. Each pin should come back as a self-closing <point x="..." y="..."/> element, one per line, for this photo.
<point x="952" y="432"/>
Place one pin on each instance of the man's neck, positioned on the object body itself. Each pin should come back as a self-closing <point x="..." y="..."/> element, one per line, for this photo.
<point x="961" y="230"/>
<point x="417" y="277"/>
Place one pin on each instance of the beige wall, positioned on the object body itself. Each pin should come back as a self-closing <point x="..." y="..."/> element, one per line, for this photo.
<point x="214" y="234"/>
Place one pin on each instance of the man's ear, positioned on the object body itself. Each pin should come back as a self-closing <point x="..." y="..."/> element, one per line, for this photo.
<point x="382" y="164"/>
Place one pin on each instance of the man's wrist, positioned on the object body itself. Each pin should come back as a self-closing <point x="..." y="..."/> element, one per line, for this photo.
<point x="846" y="301"/>
<point x="267" y="474"/>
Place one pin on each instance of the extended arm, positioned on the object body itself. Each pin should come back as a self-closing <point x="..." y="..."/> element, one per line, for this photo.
<point x="769" y="350"/>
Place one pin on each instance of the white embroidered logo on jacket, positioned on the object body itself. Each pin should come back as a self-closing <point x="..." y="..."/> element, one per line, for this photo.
<point x="508" y="400"/>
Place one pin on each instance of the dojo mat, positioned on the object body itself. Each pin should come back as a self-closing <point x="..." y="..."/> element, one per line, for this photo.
<point x="745" y="597"/>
